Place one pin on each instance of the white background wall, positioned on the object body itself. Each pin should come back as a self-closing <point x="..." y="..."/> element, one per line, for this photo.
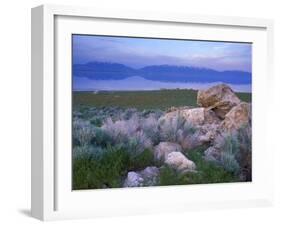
<point x="15" y="112"/>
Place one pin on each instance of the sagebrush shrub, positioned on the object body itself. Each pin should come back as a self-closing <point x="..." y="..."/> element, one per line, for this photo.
<point x="170" y="127"/>
<point x="120" y="129"/>
<point x="236" y="151"/>
<point x="101" y="137"/>
<point x="155" y="113"/>
<point x="86" y="150"/>
<point x="82" y="132"/>
<point x="244" y="157"/>
<point x="150" y="127"/>
<point x="127" y="133"/>
<point x="229" y="146"/>
<point x="177" y="129"/>
<point x="128" y="113"/>
<point x="138" y="142"/>
<point x="244" y="135"/>
<point x="229" y="162"/>
<point x="96" y="121"/>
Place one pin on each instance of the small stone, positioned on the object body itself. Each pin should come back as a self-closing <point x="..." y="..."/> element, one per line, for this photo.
<point x="133" y="180"/>
<point x="179" y="162"/>
<point x="147" y="177"/>
<point x="162" y="150"/>
<point x="150" y="175"/>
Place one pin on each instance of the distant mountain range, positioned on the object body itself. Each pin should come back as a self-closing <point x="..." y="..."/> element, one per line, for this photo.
<point x="164" y="73"/>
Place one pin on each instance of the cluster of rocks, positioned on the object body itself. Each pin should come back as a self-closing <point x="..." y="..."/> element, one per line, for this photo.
<point x="164" y="153"/>
<point x="147" y="177"/>
<point x="220" y="111"/>
<point x="233" y="113"/>
<point x="171" y="154"/>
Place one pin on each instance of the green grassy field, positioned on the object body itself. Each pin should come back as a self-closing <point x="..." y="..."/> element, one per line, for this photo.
<point x="160" y="99"/>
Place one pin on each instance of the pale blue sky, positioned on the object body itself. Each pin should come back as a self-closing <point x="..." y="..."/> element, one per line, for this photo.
<point x="140" y="52"/>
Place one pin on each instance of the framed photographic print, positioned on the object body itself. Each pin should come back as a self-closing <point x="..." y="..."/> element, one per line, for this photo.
<point x="142" y="113"/>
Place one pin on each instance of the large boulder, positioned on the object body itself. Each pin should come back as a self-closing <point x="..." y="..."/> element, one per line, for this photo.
<point x="206" y="138"/>
<point x="238" y="116"/>
<point x="188" y="141"/>
<point x="189" y="127"/>
<point x="179" y="108"/>
<point x="208" y="132"/>
<point x="203" y="135"/>
<point x="194" y="116"/>
<point x="220" y="98"/>
<point x="179" y="162"/>
<point x="163" y="149"/>
<point x="200" y="116"/>
<point x="147" y="177"/>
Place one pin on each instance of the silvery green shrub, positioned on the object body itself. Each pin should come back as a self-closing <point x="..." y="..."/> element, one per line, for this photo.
<point x="229" y="146"/>
<point x="128" y="113"/>
<point x="176" y="129"/>
<point x="137" y="143"/>
<point x="150" y="127"/>
<point x="101" y="137"/>
<point x="127" y="134"/>
<point x="169" y="128"/>
<point x="96" y="121"/>
<point x="156" y="113"/>
<point x="229" y="162"/>
<point x="120" y="129"/>
<point x="88" y="150"/>
<point x="83" y="132"/>
<point x="244" y="135"/>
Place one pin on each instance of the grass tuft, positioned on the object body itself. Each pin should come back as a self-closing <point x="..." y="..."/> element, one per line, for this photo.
<point x="108" y="168"/>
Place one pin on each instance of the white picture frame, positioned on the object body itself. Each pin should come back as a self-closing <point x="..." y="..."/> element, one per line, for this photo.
<point x="51" y="196"/>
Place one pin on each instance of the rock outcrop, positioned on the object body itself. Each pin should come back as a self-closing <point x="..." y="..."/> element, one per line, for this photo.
<point x="200" y="116"/>
<point x="188" y="141"/>
<point x="238" y="116"/>
<point x="194" y="116"/>
<point x="221" y="117"/>
<point x="220" y="98"/>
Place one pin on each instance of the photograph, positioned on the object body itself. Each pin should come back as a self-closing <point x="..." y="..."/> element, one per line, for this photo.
<point x="152" y="111"/>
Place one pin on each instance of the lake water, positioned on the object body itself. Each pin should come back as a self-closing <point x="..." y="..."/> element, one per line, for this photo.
<point x="139" y="83"/>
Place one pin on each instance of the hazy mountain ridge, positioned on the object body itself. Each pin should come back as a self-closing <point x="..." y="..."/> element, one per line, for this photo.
<point x="167" y="73"/>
